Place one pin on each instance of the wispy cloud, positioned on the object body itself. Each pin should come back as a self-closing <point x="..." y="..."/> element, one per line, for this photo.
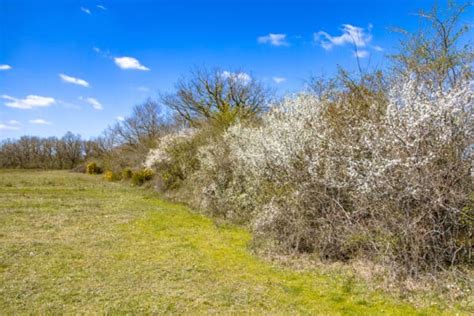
<point x="93" y="102"/>
<point x="351" y="34"/>
<point x="361" y="53"/>
<point x="86" y="10"/>
<point x="5" y="67"/>
<point x="129" y="63"/>
<point x="273" y="39"/>
<point x="240" y="76"/>
<point x="73" y="80"/>
<point x="11" y="125"/>
<point x="31" y="101"/>
<point x="279" y="79"/>
<point x="101" y="7"/>
<point x="377" y="48"/>
<point x="101" y="52"/>
<point x="40" y="122"/>
<point x="120" y="118"/>
<point x="143" y="89"/>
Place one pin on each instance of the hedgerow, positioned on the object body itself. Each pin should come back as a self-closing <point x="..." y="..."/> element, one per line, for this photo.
<point x="389" y="183"/>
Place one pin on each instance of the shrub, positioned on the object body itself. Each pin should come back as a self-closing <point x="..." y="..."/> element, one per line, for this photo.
<point x="111" y="176"/>
<point x="93" y="168"/>
<point x="353" y="175"/>
<point x="142" y="176"/>
<point x="127" y="173"/>
<point x="175" y="158"/>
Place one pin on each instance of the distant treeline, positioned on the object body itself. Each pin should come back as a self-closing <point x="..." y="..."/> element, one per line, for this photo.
<point x="123" y="145"/>
<point x="30" y="152"/>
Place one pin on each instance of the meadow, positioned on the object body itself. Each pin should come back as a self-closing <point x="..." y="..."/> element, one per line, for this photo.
<point x="73" y="243"/>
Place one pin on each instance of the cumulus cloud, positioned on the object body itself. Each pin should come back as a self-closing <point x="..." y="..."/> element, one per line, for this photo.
<point x="120" y="118"/>
<point x="85" y="10"/>
<point x="351" y="34"/>
<point x="273" y="39"/>
<point x="129" y="63"/>
<point x="93" y="102"/>
<point x="240" y="76"/>
<point x="5" y="67"/>
<point x="40" y="122"/>
<point x="31" y="101"/>
<point x="279" y="79"/>
<point x="73" y="80"/>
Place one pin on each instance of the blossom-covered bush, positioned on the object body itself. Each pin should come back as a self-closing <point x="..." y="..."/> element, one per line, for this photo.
<point x="175" y="158"/>
<point x="388" y="178"/>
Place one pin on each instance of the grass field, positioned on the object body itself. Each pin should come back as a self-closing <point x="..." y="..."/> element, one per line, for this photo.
<point x="73" y="243"/>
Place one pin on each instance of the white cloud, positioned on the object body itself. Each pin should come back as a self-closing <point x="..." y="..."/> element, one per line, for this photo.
<point x="92" y="101"/>
<point x="101" y="7"/>
<point x="11" y="125"/>
<point x="5" y="67"/>
<point x="241" y="76"/>
<point x="361" y="53"/>
<point x="120" y="118"/>
<point x="129" y="63"/>
<point x="378" y="48"/>
<point x="31" y="101"/>
<point x="73" y="80"/>
<point x="350" y="35"/>
<point x="273" y="39"/>
<point x="102" y="53"/>
<point x="40" y="122"/>
<point x="279" y="79"/>
<point x="85" y="10"/>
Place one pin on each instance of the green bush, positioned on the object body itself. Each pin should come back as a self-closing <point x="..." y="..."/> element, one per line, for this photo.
<point x="111" y="176"/>
<point x="127" y="173"/>
<point x="93" y="168"/>
<point x="142" y="176"/>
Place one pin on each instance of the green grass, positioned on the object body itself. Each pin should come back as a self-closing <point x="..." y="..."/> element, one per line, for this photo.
<point x="73" y="243"/>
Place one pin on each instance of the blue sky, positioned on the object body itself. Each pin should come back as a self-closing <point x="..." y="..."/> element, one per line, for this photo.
<point x="79" y="65"/>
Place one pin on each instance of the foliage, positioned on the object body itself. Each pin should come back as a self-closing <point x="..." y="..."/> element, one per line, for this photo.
<point x="175" y="158"/>
<point x="93" y="168"/>
<point x="141" y="176"/>
<point x="111" y="176"/>
<point x="127" y="173"/>
<point x="320" y="175"/>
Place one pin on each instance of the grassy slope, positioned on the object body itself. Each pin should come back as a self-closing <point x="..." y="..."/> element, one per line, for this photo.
<point x="74" y="243"/>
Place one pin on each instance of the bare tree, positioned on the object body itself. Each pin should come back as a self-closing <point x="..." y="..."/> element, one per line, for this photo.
<point x="217" y="96"/>
<point x="436" y="53"/>
<point x="142" y="128"/>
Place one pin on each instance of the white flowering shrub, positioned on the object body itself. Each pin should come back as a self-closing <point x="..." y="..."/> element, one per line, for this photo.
<point x="387" y="178"/>
<point x="175" y="158"/>
<point x="161" y="154"/>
